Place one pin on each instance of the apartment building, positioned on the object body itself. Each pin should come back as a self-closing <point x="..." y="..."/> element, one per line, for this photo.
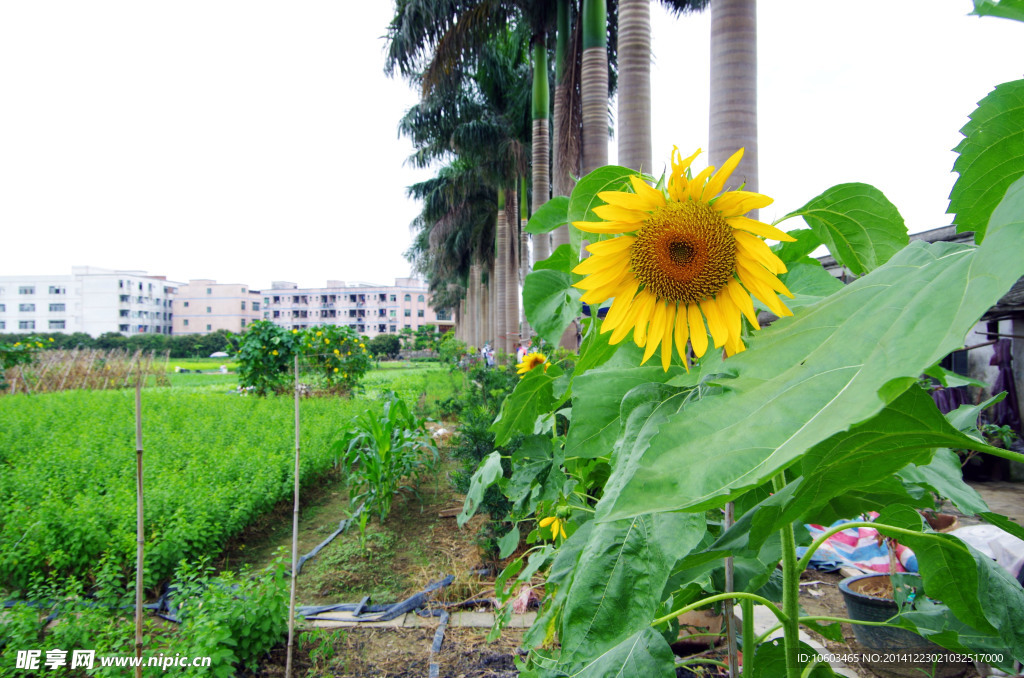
<point x="91" y="300"/>
<point x="205" y="306"/>
<point x="367" y="308"/>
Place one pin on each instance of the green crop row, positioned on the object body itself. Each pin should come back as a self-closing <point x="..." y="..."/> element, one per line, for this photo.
<point x="213" y="463"/>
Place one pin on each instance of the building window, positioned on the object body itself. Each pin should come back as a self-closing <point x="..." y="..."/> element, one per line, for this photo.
<point x="209" y="309"/>
<point x="243" y="306"/>
<point x="186" y="304"/>
<point x="122" y="328"/>
<point x="56" y="324"/>
<point x="124" y="298"/>
<point x="392" y="328"/>
<point x="255" y="305"/>
<point x="26" y="290"/>
<point x="209" y="290"/>
<point x="243" y="322"/>
<point x="26" y="324"/>
<point x="56" y="290"/>
<point x="394" y="297"/>
<point x="419" y="313"/>
<point x="3" y="325"/>
<point x="408" y="313"/>
<point x="408" y="327"/>
<point x="3" y="307"/>
<point x="27" y="308"/>
<point x="419" y="298"/>
<point x="186" y="322"/>
<point x="56" y="308"/>
<point x="209" y="327"/>
<point x="124" y="313"/>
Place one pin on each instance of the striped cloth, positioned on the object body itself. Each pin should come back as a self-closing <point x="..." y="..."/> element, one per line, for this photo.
<point x="861" y="547"/>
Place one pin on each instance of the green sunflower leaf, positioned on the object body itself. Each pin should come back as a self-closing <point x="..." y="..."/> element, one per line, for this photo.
<point x="645" y="653"/>
<point x="811" y="376"/>
<point x="550" y="216"/>
<point x="584" y="198"/>
<point x="858" y="224"/>
<point x="551" y="303"/>
<point x="1006" y="9"/>
<point x="809" y="282"/>
<point x="806" y="242"/>
<point x="991" y="157"/>
<point x="532" y="396"/>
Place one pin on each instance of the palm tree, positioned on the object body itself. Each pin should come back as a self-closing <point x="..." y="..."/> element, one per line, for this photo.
<point x="634" y="57"/>
<point x="734" y="86"/>
<point x="594" y="85"/>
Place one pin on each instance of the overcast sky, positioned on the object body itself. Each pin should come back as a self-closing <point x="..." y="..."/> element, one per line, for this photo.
<point x="250" y="141"/>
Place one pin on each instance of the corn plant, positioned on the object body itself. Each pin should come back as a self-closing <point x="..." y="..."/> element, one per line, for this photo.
<point x="382" y="451"/>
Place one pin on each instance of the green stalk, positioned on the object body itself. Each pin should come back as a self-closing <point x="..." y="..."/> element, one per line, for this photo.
<point x="790" y="591"/>
<point x="561" y="40"/>
<point x="736" y="595"/>
<point x="748" y="636"/>
<point x="541" y="87"/>
<point x="595" y="24"/>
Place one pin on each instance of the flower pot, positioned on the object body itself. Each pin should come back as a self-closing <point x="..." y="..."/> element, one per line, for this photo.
<point x="867" y="600"/>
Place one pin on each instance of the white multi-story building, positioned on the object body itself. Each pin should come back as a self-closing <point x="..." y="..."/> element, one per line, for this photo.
<point x="369" y="309"/>
<point x="91" y="300"/>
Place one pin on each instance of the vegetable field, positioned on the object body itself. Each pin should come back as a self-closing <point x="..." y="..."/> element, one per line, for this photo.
<point x="214" y="462"/>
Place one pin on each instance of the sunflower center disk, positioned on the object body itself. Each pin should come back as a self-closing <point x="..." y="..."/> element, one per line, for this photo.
<point x="684" y="252"/>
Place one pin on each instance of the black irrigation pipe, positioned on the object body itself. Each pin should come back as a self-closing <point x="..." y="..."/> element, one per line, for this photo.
<point x="375" y="613"/>
<point x="342" y="526"/>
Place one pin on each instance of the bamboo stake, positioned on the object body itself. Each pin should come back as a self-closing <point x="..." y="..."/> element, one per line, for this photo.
<point x="140" y="533"/>
<point x="295" y="533"/>
<point x="730" y="617"/>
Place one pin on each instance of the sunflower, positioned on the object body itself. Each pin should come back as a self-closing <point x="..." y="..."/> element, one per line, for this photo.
<point x="557" y="526"/>
<point x="530" y="361"/>
<point x="682" y="259"/>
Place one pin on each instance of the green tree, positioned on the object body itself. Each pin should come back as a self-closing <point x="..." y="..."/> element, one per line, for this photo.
<point x="384" y="346"/>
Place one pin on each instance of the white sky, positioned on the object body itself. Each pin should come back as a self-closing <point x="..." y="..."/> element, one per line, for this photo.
<point x="250" y="141"/>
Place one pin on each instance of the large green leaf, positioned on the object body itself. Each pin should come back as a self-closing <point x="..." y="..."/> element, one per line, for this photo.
<point x="519" y="410"/>
<point x="979" y="592"/>
<point x="562" y="259"/>
<point x="806" y="241"/>
<point x="597" y="395"/>
<point x="551" y="304"/>
<point x="942" y="475"/>
<point x="1007" y="9"/>
<point x="620" y="578"/>
<point x="991" y="157"/>
<point x="831" y="366"/>
<point x="858" y="224"/>
<point x="934" y="621"/>
<point x="645" y="653"/>
<point x="550" y="216"/>
<point x="486" y="475"/>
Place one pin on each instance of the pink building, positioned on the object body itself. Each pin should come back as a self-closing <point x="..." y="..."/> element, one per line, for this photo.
<point x="369" y="309"/>
<point x="204" y="306"/>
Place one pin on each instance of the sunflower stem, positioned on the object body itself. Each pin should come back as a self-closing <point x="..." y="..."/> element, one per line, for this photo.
<point x="790" y="591"/>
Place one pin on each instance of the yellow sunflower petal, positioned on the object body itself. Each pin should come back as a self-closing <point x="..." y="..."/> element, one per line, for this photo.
<point x="636" y="306"/>
<point x="607" y="274"/>
<point x="716" y="323"/>
<point x="762" y="292"/>
<point x="717" y="182"/>
<point x="611" y="246"/>
<point x="598" y="262"/>
<point x="678" y="184"/>
<point x="619" y="306"/>
<point x="610" y="227"/>
<point x="697" y="185"/>
<point x="730" y="314"/>
<point x="758" y="250"/>
<point x="742" y="301"/>
<point x="737" y="203"/>
<point x="682" y="335"/>
<point x="666" y="340"/>
<point x="632" y="201"/>
<point x="643" y="318"/>
<point x="599" y="295"/>
<point x="734" y="346"/>
<point x="561" y="529"/>
<point x="656" y="331"/>
<point x="766" y="277"/>
<point x="653" y="196"/>
<point x="544" y="522"/>
<point x="616" y="213"/>
<point x="759" y="228"/>
<point x="698" y="335"/>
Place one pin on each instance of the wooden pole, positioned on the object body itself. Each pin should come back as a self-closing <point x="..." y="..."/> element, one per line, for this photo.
<point x="295" y="532"/>
<point x="140" y="534"/>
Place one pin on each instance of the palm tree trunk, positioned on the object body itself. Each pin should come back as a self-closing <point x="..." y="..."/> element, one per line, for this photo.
<point x="539" y="139"/>
<point x="511" y="301"/>
<point x="634" y="118"/>
<point x="492" y="287"/>
<point x="564" y="160"/>
<point x="501" y="274"/>
<point x="524" y="261"/>
<point x="594" y="85"/>
<point x="734" y="87"/>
